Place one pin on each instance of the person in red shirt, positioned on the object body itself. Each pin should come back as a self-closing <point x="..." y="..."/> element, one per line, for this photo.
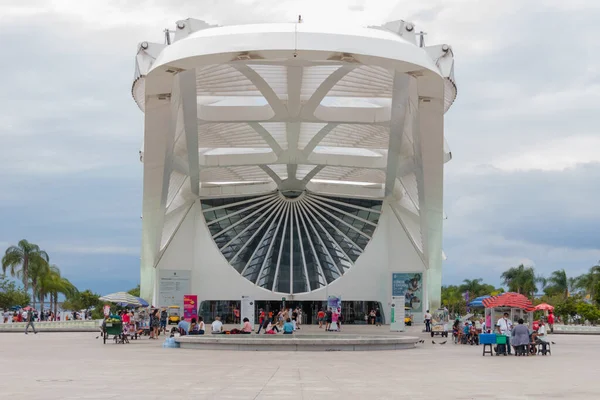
<point x="236" y="316"/>
<point x="261" y="316"/>
<point x="551" y="321"/>
<point x="320" y="317"/>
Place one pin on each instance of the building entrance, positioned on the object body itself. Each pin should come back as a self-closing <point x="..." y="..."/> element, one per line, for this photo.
<point x="353" y="312"/>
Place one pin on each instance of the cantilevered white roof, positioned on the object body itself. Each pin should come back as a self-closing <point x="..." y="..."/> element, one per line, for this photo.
<point x="252" y="109"/>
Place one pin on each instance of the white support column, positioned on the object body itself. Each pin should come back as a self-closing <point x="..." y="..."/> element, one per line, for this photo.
<point x="158" y="147"/>
<point x="188" y="93"/>
<point x="400" y="97"/>
<point x="429" y="146"/>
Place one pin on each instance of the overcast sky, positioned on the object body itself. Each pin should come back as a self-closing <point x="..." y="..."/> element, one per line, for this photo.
<point x="523" y="185"/>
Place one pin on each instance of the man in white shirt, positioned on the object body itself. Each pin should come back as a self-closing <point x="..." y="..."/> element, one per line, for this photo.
<point x="427" y="318"/>
<point x="504" y="326"/>
<point x="541" y="336"/>
<point x="217" y="326"/>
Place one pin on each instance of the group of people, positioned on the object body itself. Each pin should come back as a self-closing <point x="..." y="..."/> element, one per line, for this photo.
<point x="44" y="316"/>
<point x="374" y="317"/>
<point x="329" y="318"/>
<point x="467" y="332"/>
<point x="521" y="338"/>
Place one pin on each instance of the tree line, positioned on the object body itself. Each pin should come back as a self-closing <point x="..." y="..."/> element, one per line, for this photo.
<point x="572" y="296"/>
<point x="31" y="265"/>
<point x="42" y="281"/>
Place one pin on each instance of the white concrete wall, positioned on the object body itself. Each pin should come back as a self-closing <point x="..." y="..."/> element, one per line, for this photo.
<point x="390" y="250"/>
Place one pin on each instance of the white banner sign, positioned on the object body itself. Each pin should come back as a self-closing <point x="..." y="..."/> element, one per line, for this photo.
<point x="397" y="314"/>
<point x="172" y="286"/>
<point x="247" y="310"/>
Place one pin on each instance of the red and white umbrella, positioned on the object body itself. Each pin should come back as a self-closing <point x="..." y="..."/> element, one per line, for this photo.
<point x="544" y="307"/>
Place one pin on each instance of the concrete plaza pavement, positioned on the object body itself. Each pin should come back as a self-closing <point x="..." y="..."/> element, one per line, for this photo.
<point x="78" y="366"/>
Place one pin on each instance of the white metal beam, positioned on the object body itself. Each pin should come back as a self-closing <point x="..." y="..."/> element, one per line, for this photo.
<point x="400" y="97"/>
<point x="187" y="89"/>
<point x="263" y="87"/>
<point x="311" y="105"/>
<point x="266" y="136"/>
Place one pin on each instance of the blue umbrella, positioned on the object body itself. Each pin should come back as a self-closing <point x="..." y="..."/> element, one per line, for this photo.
<point x="478" y="302"/>
<point x="143" y="302"/>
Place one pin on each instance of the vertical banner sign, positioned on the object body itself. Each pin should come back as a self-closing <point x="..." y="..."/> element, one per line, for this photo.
<point x="190" y="307"/>
<point x="247" y="310"/>
<point x="397" y="314"/>
<point x="334" y="304"/>
<point x="409" y="285"/>
<point x="106" y="310"/>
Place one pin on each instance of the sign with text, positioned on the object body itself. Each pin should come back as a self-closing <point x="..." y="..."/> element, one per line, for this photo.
<point x="172" y="286"/>
<point x="409" y="285"/>
<point x="247" y="310"/>
<point x="190" y="307"/>
<point x="397" y="314"/>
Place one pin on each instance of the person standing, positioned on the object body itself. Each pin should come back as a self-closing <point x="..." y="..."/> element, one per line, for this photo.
<point x="236" y="316"/>
<point x="427" y="321"/>
<point x="378" y="321"/>
<point x="29" y="317"/>
<point x="320" y="317"/>
<point x="163" y="320"/>
<point x="504" y="326"/>
<point x="551" y="321"/>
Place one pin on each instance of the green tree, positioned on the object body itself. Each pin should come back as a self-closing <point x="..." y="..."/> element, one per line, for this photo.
<point x="11" y="295"/>
<point x="473" y="286"/>
<point x="82" y="301"/>
<point x="521" y="279"/>
<point x="558" y="283"/>
<point x="566" y="308"/>
<point x="452" y="298"/>
<point x="135" y="291"/>
<point x="589" y="282"/>
<point x="18" y="258"/>
<point x="38" y="269"/>
<point x="46" y="283"/>
<point x="589" y="312"/>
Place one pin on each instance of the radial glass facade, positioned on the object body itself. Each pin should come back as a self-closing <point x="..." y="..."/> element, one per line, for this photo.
<point x="292" y="242"/>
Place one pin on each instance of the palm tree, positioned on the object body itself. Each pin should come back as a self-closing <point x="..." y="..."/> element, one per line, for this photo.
<point x="46" y="283"/>
<point x="558" y="282"/>
<point x="63" y="286"/>
<point x="17" y="258"/>
<point x="589" y="282"/>
<point x="521" y="279"/>
<point x="452" y="298"/>
<point x="38" y="269"/>
<point x="472" y="286"/>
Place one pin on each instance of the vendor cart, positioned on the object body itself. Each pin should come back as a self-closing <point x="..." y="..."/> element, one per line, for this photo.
<point x="114" y="329"/>
<point x="440" y="322"/>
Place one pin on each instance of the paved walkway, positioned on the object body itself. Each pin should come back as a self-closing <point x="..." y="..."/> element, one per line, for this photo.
<point x="78" y="366"/>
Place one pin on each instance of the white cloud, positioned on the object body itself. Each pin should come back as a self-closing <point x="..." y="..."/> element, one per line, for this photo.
<point x="556" y="155"/>
<point x="75" y="249"/>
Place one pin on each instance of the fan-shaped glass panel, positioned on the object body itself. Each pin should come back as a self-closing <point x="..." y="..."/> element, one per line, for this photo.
<point x="293" y="242"/>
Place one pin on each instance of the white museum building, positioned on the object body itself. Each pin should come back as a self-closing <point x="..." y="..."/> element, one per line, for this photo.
<point x="293" y="161"/>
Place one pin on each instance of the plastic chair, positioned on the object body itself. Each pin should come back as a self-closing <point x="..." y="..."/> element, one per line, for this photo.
<point x="501" y="343"/>
<point x="540" y="346"/>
